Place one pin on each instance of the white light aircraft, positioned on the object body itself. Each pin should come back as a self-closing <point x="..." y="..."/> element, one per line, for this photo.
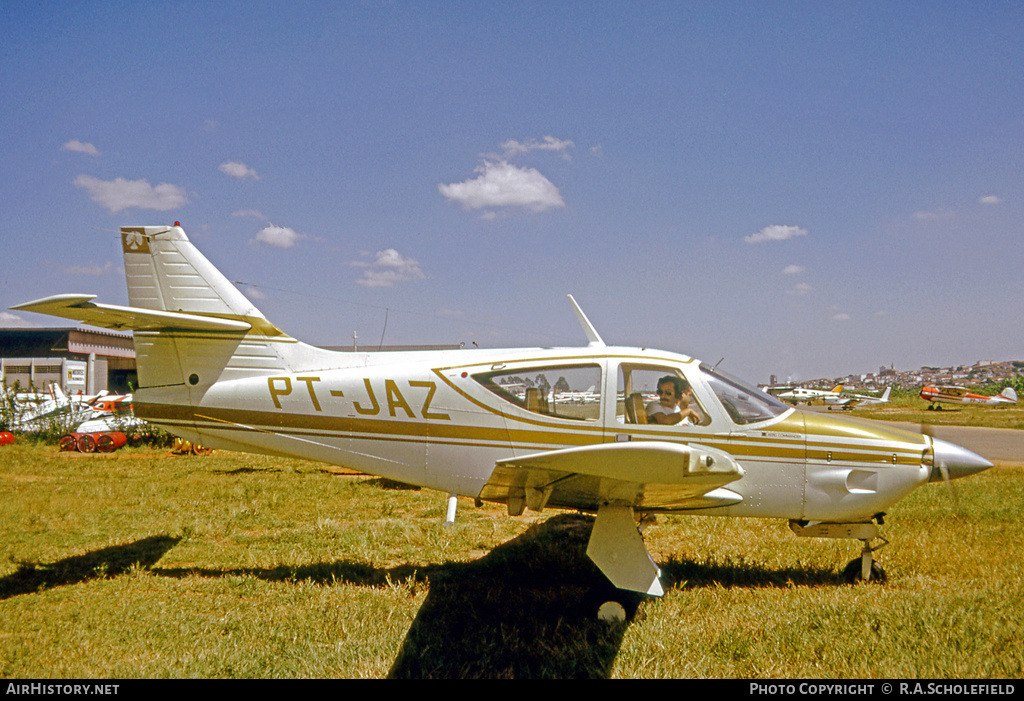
<point x="50" y="409"/>
<point x="212" y="369"/>
<point x="799" y="395"/>
<point x="851" y="401"/>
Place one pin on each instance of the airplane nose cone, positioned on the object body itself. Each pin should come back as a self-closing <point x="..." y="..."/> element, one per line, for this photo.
<point x="956" y="461"/>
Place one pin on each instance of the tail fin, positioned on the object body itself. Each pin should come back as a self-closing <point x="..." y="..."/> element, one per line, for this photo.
<point x="885" y="394"/>
<point x="165" y="272"/>
<point x="192" y="326"/>
<point x="1009" y="393"/>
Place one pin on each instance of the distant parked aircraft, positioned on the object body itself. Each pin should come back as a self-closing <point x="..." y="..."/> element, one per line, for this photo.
<point x="960" y="395"/>
<point x="850" y="401"/>
<point x="799" y="395"/>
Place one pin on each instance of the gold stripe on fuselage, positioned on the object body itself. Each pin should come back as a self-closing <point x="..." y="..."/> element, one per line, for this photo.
<point x="355" y="427"/>
<point x="797" y="438"/>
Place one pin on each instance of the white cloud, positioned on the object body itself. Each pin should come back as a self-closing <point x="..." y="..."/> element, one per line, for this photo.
<point x="801" y="288"/>
<point x="255" y="213"/>
<point x="81" y="147"/>
<point x="502" y="184"/>
<point x="937" y="215"/>
<point x="278" y="236"/>
<point x="237" y="170"/>
<point x="841" y="317"/>
<point x="119" y="194"/>
<point x="89" y="269"/>
<point x="775" y="233"/>
<point x="990" y="199"/>
<point x="792" y="270"/>
<point x="9" y="320"/>
<point x="549" y="143"/>
<point x="388" y="267"/>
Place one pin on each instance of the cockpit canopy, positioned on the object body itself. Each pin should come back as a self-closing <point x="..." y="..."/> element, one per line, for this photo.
<point x="743" y="403"/>
<point x="579" y="390"/>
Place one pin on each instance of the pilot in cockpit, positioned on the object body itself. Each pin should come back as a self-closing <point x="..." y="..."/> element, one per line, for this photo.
<point x="672" y="406"/>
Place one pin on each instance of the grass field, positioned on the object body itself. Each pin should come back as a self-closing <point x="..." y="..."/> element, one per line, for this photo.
<point x="915" y="410"/>
<point x="140" y="564"/>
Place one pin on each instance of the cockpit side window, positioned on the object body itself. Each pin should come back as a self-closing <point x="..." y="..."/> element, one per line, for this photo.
<point x="744" y="404"/>
<point x="637" y="395"/>
<point x="566" y="391"/>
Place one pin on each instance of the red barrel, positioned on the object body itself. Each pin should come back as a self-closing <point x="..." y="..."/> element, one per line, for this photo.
<point x="109" y="442"/>
<point x="86" y="442"/>
<point x="69" y="442"/>
<point x="6" y="437"/>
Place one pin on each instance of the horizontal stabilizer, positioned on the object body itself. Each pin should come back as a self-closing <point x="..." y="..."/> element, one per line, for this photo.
<point x="109" y="316"/>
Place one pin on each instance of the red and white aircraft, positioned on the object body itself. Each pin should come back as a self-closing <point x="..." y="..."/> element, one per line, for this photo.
<point x="960" y="395"/>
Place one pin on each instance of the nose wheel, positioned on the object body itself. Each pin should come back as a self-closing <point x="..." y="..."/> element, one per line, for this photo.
<point x="866" y="568"/>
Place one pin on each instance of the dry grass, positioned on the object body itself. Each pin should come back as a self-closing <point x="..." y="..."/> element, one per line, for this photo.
<point x="142" y="565"/>
<point x="915" y="410"/>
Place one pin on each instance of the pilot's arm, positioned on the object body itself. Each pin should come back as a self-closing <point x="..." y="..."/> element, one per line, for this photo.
<point x="659" y="414"/>
<point x="665" y="419"/>
<point x="692" y="415"/>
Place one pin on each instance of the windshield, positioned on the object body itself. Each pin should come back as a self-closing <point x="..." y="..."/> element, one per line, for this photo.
<point x="745" y="404"/>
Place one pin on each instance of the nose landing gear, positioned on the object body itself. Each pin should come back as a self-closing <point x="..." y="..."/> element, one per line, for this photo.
<point x="862" y="569"/>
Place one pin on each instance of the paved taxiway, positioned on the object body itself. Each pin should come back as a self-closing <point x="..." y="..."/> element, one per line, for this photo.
<point x="1003" y="444"/>
<point x="994" y="444"/>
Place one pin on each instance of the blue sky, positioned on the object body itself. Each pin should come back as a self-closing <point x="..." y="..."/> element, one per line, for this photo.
<point x="804" y="189"/>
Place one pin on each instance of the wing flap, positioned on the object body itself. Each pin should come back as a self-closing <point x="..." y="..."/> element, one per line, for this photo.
<point x="647" y="474"/>
<point x="110" y="316"/>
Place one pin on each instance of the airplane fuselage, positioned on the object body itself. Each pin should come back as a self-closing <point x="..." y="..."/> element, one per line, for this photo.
<point x="438" y="420"/>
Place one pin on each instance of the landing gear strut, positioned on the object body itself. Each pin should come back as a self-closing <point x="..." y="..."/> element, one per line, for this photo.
<point x="864" y="568"/>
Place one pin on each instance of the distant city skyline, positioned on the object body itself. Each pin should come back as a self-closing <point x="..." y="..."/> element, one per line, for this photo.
<point x="980" y="373"/>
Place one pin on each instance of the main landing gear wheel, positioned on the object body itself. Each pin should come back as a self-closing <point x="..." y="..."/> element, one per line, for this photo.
<point x="611" y="605"/>
<point x="612" y="612"/>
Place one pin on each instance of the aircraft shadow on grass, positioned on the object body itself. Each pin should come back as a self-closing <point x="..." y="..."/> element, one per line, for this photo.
<point x="106" y="562"/>
<point x="526" y="609"/>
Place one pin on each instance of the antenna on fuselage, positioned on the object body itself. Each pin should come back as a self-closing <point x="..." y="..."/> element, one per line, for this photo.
<point x="592" y="336"/>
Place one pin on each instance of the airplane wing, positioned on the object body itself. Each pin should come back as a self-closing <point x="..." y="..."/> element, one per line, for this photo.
<point x="639" y="474"/>
<point x="110" y="316"/>
<point x="954" y="391"/>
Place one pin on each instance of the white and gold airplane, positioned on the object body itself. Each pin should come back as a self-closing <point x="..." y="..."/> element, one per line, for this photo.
<point x="537" y="428"/>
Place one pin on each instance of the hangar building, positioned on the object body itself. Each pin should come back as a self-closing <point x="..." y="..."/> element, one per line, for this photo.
<point x="81" y="359"/>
